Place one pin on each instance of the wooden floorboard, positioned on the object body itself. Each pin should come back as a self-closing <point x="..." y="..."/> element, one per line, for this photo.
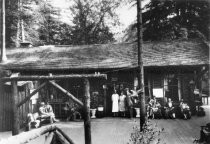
<point x="117" y="130"/>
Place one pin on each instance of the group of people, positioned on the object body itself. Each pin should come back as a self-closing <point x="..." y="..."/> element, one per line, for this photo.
<point x="123" y="103"/>
<point x="45" y="111"/>
<point x="155" y="110"/>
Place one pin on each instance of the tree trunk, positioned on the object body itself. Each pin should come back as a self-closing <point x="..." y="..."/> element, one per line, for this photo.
<point x="17" y="42"/>
<point x="3" y="28"/>
<point x="140" y="64"/>
<point x="22" y="23"/>
<point x="87" y="124"/>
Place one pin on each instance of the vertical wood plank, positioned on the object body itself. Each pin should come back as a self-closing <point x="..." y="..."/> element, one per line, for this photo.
<point x="87" y="124"/>
<point x="16" y="125"/>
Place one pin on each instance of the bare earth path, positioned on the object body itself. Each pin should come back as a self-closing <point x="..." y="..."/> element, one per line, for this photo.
<point x="117" y="130"/>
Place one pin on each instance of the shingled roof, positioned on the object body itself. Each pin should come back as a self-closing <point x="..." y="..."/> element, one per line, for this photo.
<point x="108" y="56"/>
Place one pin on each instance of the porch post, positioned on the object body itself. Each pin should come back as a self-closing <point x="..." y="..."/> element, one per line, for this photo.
<point x="149" y="86"/>
<point x="87" y="124"/>
<point x="15" y="121"/>
<point x="105" y="99"/>
<point x="179" y="88"/>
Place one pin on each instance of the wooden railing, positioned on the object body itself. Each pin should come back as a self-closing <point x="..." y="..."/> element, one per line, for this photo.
<point x="54" y="134"/>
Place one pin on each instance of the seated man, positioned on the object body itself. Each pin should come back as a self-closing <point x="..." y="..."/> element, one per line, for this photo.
<point x="45" y="111"/>
<point x="185" y="110"/>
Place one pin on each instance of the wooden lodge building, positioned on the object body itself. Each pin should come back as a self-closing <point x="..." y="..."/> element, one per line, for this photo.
<point x="171" y="69"/>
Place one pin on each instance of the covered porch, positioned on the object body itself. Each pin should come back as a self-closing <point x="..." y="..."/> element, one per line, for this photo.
<point x="117" y="130"/>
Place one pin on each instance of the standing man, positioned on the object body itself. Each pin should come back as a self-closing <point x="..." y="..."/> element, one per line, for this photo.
<point x="129" y="102"/>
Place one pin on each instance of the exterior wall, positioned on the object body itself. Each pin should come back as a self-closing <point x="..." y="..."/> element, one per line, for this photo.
<point x="6" y="108"/>
<point x="175" y="85"/>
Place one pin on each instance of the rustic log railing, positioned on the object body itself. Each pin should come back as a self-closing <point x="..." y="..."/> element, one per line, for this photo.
<point x="25" y="137"/>
<point x="59" y="133"/>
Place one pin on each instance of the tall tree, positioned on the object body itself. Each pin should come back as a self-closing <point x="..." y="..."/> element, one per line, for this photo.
<point x="173" y="19"/>
<point x="140" y="65"/>
<point x="91" y="21"/>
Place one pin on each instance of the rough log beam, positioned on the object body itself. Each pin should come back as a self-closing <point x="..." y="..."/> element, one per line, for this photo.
<point x="67" y="93"/>
<point x="15" y="121"/>
<point x="49" y="138"/>
<point x="25" y="137"/>
<point x="54" y="77"/>
<point x="33" y="93"/>
<point x="65" y="136"/>
<point x="87" y="124"/>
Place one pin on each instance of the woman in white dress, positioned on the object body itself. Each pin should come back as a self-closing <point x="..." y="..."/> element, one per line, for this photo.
<point x="115" y="100"/>
<point x="122" y="104"/>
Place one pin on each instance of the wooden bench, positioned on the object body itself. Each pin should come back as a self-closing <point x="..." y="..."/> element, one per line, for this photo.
<point x="35" y="121"/>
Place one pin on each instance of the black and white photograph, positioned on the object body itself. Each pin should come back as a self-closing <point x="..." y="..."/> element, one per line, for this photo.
<point x="104" y="72"/>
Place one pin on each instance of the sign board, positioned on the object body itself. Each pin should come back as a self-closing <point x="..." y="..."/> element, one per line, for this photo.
<point x="158" y="92"/>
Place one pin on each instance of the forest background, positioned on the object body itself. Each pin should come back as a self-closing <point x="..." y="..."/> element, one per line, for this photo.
<point x="79" y="22"/>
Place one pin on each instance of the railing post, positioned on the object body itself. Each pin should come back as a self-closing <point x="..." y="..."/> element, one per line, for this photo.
<point x="87" y="124"/>
<point x="15" y="122"/>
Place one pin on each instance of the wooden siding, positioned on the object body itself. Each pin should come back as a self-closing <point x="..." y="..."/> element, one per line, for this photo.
<point x="6" y="107"/>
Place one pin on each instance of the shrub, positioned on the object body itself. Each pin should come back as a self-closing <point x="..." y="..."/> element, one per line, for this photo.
<point x="150" y="134"/>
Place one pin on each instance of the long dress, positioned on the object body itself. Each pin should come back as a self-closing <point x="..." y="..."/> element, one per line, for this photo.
<point x="115" y="99"/>
<point x="122" y="103"/>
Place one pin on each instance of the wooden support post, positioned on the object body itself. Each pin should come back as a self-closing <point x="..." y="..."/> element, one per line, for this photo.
<point x="179" y="88"/>
<point x="105" y="98"/>
<point x="67" y="93"/>
<point x="15" y="124"/>
<point x="149" y="86"/>
<point x="87" y="124"/>
<point x="33" y="93"/>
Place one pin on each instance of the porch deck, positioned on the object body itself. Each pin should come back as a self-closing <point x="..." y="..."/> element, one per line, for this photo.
<point x="117" y="130"/>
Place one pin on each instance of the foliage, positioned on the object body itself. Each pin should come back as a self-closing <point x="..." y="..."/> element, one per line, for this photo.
<point x="150" y="134"/>
<point x="39" y="22"/>
<point x="173" y="19"/>
<point x="91" y="21"/>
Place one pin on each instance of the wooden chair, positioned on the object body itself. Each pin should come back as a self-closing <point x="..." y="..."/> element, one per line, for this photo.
<point x="205" y="133"/>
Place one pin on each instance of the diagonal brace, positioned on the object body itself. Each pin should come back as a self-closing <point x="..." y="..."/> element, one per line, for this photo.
<point x="33" y="93"/>
<point x="73" y="98"/>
